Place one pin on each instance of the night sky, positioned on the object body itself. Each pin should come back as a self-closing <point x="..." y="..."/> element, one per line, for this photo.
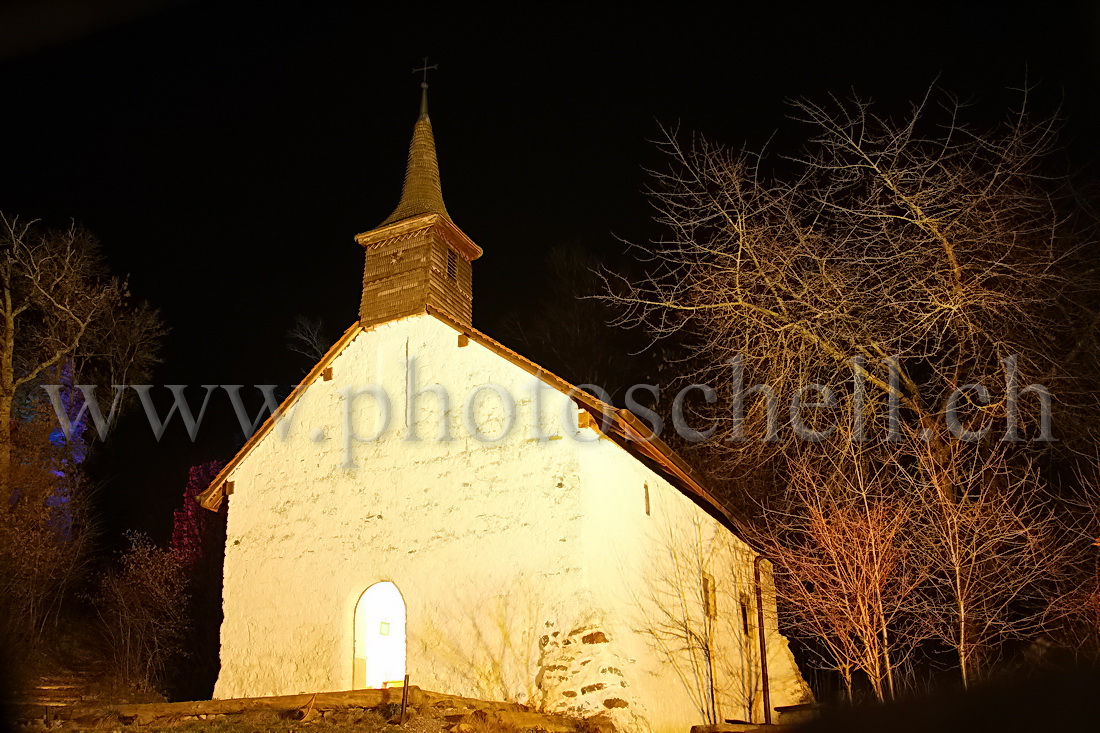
<point x="227" y="152"/>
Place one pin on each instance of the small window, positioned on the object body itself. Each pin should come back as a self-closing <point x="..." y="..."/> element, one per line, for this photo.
<point x="452" y="264"/>
<point x="710" y="597"/>
<point x="744" y="613"/>
<point x="646" y="498"/>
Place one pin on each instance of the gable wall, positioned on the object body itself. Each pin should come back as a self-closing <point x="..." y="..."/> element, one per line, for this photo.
<point x="529" y="567"/>
<point x="481" y="538"/>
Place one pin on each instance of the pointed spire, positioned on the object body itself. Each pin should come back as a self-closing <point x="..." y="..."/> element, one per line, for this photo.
<point x="422" y="192"/>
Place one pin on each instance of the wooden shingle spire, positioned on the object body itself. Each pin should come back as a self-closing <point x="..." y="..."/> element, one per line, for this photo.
<point x="417" y="260"/>
<point x="422" y="192"/>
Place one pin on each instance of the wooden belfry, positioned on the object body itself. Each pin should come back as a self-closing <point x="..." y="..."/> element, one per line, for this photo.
<point x="417" y="259"/>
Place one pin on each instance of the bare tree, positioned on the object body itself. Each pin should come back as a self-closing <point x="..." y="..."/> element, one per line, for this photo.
<point x="44" y="534"/>
<point x="306" y="337"/>
<point x="996" y="552"/>
<point x="915" y="255"/>
<point x="143" y="610"/>
<point x="1073" y="614"/>
<point x="706" y="609"/>
<point x="565" y="327"/>
<point x="844" y="547"/>
<point x="913" y="277"/>
<point x="60" y="309"/>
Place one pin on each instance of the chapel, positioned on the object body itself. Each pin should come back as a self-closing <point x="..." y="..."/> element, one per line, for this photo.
<point x="429" y="503"/>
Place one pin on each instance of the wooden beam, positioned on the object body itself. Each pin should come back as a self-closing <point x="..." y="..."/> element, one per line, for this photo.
<point x="145" y="712"/>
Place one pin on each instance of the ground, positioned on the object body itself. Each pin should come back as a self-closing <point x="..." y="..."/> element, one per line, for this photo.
<point x="378" y="720"/>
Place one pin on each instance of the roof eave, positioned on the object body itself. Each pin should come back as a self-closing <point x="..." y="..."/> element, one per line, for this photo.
<point x="212" y="497"/>
<point x="618" y="424"/>
<point x="623" y="427"/>
<point x="455" y="236"/>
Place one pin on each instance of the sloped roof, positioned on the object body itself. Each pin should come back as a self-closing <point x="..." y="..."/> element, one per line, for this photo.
<point x="617" y="424"/>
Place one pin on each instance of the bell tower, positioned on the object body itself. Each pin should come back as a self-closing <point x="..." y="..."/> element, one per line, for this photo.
<point x="417" y="258"/>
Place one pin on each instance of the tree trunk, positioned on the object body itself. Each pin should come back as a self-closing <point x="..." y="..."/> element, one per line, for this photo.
<point x="964" y="647"/>
<point x="887" y="664"/>
<point x="7" y="392"/>
<point x="846" y="675"/>
<point x="5" y="444"/>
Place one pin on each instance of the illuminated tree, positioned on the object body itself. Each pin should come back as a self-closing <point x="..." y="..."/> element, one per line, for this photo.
<point x="897" y="286"/>
<point x="916" y="255"/>
<point x="198" y="545"/>
<point x="61" y="310"/>
<point x="845" y="544"/>
<point x="142" y="609"/>
<point x="191" y="524"/>
<point x="44" y="532"/>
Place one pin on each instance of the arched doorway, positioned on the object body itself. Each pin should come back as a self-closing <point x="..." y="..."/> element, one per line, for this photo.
<point x="379" y="638"/>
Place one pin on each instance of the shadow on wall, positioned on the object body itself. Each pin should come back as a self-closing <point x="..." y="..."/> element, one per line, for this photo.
<point x="698" y="612"/>
<point x="490" y="649"/>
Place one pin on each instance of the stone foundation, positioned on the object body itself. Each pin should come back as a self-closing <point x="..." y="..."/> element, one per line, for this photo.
<point x="580" y="674"/>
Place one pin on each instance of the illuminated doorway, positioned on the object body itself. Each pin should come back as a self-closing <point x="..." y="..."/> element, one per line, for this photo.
<point x="379" y="638"/>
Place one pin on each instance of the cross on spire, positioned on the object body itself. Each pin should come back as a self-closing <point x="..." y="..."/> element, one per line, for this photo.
<point x="424" y="70"/>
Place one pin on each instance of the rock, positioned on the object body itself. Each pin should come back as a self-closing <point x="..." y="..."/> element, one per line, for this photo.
<point x="794" y="714"/>
<point x="738" y="727"/>
<point x="599" y="724"/>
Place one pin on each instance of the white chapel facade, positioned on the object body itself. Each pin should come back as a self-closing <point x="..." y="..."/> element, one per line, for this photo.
<point x="430" y="503"/>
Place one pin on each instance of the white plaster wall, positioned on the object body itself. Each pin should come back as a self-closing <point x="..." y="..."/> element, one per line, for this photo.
<point x="528" y="566"/>
<point x="650" y="583"/>
<point x="482" y="539"/>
